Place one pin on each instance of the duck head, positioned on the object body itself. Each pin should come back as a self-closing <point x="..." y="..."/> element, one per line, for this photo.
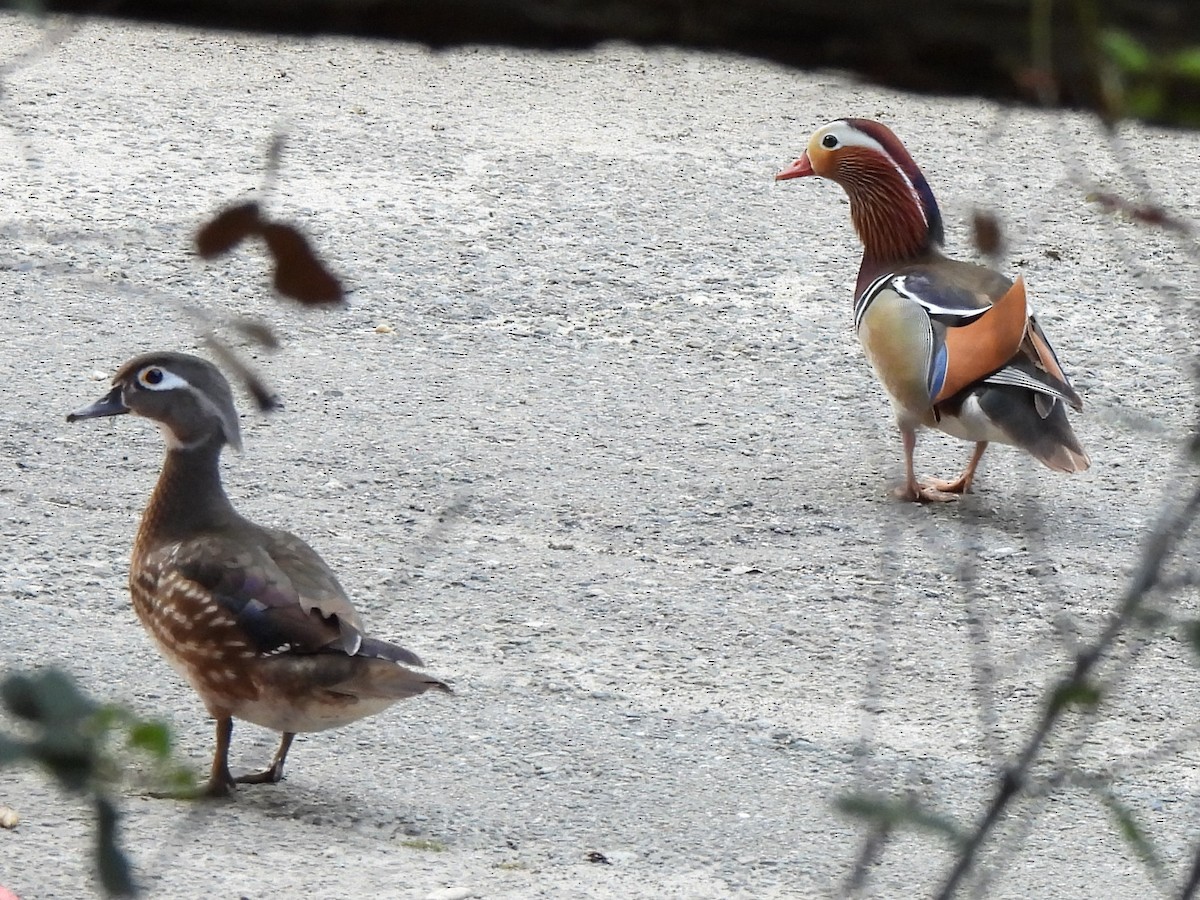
<point x="891" y="203"/>
<point x="187" y="396"/>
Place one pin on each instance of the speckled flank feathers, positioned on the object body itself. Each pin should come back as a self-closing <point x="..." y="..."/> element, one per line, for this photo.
<point x="250" y="616"/>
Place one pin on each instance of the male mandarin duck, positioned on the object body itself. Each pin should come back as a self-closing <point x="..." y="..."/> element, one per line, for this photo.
<point x="955" y="344"/>
<point x="252" y="617"/>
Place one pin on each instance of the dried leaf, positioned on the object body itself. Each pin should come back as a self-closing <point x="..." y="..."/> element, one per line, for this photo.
<point x="227" y="229"/>
<point x="1139" y="212"/>
<point x="257" y="331"/>
<point x="266" y="399"/>
<point x="298" y="272"/>
<point x="988" y="235"/>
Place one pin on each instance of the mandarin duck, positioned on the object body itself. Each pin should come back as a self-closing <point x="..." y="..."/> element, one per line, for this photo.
<point x="250" y="616"/>
<point x="956" y="345"/>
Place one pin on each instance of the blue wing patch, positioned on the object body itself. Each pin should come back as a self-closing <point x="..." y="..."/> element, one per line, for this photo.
<point x="937" y="370"/>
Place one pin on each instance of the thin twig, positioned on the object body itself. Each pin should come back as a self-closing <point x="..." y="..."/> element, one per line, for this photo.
<point x="1012" y="781"/>
<point x="871" y="848"/>
<point x="982" y="662"/>
<point x="1193" y="881"/>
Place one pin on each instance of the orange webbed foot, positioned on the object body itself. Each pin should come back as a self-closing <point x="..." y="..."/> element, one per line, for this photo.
<point x="960" y="485"/>
<point x="926" y="492"/>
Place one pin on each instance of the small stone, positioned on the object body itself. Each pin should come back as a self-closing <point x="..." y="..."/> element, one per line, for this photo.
<point x="451" y="893"/>
<point x="9" y="817"/>
<point x="384" y="328"/>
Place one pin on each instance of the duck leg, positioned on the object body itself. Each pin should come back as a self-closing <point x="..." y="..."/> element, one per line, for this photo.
<point x="962" y="484"/>
<point x="913" y="490"/>
<point x="220" y="782"/>
<point x="273" y="775"/>
<point x="919" y="492"/>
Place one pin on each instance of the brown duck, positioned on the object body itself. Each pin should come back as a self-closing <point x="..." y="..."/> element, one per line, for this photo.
<point x="252" y="617"/>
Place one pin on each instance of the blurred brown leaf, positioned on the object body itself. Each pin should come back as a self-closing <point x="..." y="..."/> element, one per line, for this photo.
<point x="267" y="400"/>
<point x="988" y="235"/>
<point x="227" y="229"/>
<point x="1147" y="213"/>
<point x="257" y="331"/>
<point x="299" y="274"/>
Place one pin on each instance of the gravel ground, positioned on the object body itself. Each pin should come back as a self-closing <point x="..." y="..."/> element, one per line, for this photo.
<point x="617" y="470"/>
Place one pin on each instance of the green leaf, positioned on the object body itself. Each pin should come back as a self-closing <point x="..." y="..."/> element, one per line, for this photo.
<point x="1191" y="631"/>
<point x="1186" y="63"/>
<point x="179" y="780"/>
<point x="152" y="737"/>
<point x="45" y="697"/>
<point x="889" y="813"/>
<point x="70" y="733"/>
<point x="1145" y="101"/>
<point x="1132" y="833"/>
<point x="69" y="757"/>
<point x="1149" y="617"/>
<point x="1125" y="51"/>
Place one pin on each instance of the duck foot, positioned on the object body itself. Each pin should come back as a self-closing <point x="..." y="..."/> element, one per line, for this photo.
<point x="213" y="789"/>
<point x="960" y="485"/>
<point x="927" y="492"/>
<point x="935" y="490"/>
<point x="270" y="776"/>
<point x="273" y="775"/>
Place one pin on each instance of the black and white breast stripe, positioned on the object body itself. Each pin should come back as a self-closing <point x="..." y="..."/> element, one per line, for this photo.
<point x="899" y="284"/>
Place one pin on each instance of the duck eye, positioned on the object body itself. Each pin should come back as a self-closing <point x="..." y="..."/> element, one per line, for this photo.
<point x="151" y="377"/>
<point x="829" y="141"/>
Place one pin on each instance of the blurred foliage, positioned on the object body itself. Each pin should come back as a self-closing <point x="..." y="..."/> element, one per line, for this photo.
<point x="80" y="743"/>
<point x="1141" y="83"/>
<point x="1133" y="834"/>
<point x="1074" y="692"/>
<point x="890" y="813"/>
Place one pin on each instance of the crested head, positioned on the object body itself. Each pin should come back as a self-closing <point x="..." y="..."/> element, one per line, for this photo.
<point x="891" y="203"/>
<point x="187" y="396"/>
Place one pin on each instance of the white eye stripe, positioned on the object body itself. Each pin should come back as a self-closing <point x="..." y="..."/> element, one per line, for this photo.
<point x="167" y="381"/>
<point x="849" y="136"/>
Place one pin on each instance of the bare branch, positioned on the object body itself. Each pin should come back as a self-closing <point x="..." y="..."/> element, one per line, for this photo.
<point x="1076" y="685"/>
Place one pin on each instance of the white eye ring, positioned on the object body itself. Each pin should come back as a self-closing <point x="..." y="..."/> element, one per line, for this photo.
<point x="156" y="378"/>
